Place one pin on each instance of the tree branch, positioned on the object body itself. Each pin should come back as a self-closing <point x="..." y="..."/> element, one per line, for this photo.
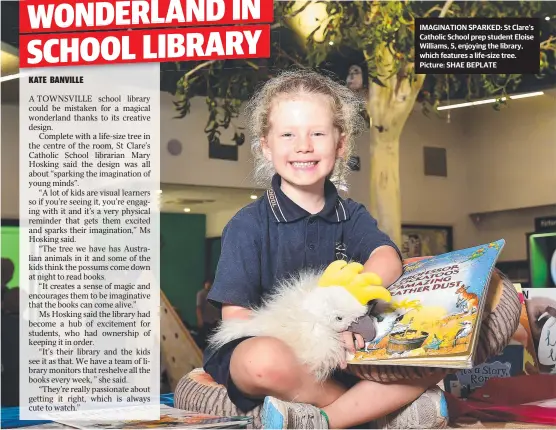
<point x="197" y="68"/>
<point x="420" y="79"/>
<point x="289" y="57"/>
<point x="208" y="63"/>
<point x="431" y="10"/>
<point x="549" y="44"/>
<point x="446" y="8"/>
<point x="443" y="10"/>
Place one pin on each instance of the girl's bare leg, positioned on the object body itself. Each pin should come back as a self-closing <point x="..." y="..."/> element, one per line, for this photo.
<point x="265" y="366"/>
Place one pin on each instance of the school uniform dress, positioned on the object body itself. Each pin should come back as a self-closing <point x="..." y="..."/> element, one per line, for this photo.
<point x="273" y="238"/>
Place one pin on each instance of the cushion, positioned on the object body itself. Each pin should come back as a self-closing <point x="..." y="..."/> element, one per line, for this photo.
<point x="198" y="392"/>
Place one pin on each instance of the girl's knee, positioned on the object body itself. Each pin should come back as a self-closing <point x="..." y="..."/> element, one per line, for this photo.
<point x="262" y="364"/>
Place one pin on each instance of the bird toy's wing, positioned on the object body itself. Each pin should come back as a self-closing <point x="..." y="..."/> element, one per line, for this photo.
<point x="363" y="286"/>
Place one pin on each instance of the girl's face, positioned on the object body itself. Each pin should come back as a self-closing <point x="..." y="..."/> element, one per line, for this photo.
<point x="302" y="142"/>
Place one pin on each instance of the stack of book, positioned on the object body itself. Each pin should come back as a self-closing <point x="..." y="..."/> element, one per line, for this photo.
<point x="532" y="349"/>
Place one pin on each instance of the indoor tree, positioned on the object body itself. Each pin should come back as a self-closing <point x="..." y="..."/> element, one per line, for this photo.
<point x="317" y="34"/>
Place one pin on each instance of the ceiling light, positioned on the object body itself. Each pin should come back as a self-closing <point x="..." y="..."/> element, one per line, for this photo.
<point x="253" y="197"/>
<point x="523" y="96"/>
<point x="331" y="43"/>
<point x="187" y="210"/>
<point x="487" y="101"/>
<point x="547" y="18"/>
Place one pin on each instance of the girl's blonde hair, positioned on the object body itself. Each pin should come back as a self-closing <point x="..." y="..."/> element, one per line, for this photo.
<point x="346" y="107"/>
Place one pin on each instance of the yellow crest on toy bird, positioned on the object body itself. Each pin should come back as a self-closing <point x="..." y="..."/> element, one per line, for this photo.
<point x="363" y="286"/>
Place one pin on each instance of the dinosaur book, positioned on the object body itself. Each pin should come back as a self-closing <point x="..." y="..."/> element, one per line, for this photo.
<point x="435" y="311"/>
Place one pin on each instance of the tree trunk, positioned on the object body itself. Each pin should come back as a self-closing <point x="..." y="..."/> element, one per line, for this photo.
<point x="385" y="185"/>
<point x="389" y="107"/>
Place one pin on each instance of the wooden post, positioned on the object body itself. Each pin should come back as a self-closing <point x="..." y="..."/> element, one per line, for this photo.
<point x="180" y="353"/>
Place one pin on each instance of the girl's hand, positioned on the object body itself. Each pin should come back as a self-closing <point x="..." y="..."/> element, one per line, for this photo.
<point x="352" y="342"/>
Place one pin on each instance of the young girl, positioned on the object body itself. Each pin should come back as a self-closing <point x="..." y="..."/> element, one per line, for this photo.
<point x="303" y="127"/>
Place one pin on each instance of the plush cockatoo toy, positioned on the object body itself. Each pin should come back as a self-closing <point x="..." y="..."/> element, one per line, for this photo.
<point x="309" y="312"/>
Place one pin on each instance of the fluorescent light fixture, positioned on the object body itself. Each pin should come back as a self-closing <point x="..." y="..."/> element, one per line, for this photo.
<point x="253" y="197"/>
<point x="547" y="18"/>
<point x="523" y="96"/>
<point x="487" y="101"/>
<point x="187" y="210"/>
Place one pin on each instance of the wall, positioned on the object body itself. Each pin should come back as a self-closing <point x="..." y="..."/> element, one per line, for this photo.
<point x="498" y="162"/>
<point x="214" y="246"/>
<point x="511" y="159"/>
<point x="427" y="199"/>
<point x="511" y="226"/>
<point x="511" y="155"/>
<point x="217" y="221"/>
<point x="182" y="260"/>
<point x="193" y="165"/>
<point x="9" y="244"/>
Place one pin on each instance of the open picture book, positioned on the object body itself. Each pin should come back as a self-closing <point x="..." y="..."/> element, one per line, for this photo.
<point x="436" y="308"/>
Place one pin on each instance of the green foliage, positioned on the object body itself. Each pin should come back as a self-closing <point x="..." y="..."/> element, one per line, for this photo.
<point x="225" y="85"/>
<point x="380" y="32"/>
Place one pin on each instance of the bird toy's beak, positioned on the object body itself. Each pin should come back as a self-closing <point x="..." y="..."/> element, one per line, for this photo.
<point x="364" y="287"/>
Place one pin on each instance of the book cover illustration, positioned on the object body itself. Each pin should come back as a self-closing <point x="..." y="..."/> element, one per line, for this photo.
<point x="541" y="311"/>
<point x="435" y="307"/>
<point x="464" y="382"/>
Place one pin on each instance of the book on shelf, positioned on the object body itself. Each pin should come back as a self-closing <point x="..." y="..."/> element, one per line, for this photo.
<point x="465" y="382"/>
<point x="434" y="316"/>
<point x="541" y="311"/>
<point x="524" y="336"/>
